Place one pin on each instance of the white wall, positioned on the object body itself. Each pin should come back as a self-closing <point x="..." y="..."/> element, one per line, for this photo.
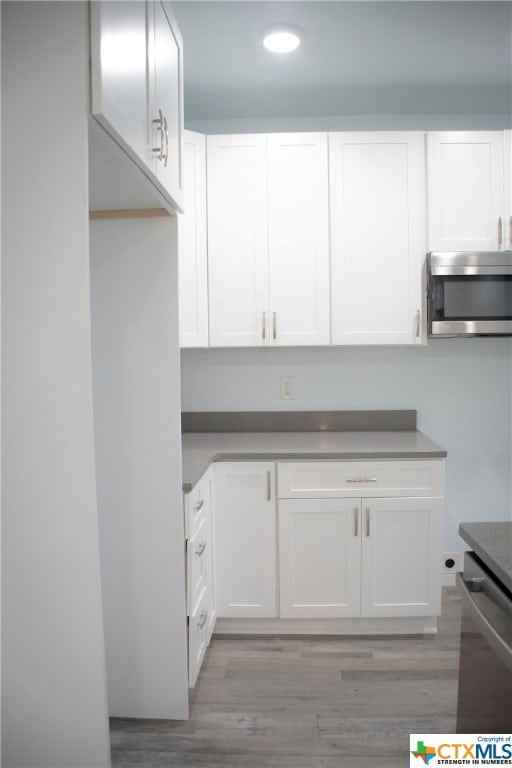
<point x="54" y="687"/>
<point x="138" y="449"/>
<point x="387" y="122"/>
<point x="460" y="389"/>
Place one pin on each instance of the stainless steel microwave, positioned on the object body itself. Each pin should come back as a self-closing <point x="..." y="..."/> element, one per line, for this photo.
<point x="469" y="293"/>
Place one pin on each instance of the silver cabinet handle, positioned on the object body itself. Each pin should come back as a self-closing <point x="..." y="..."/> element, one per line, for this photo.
<point x="201" y="548"/>
<point x="269" y="485"/>
<point x="198" y="505"/>
<point x="500" y="232"/>
<point x="510" y="231"/>
<point x="356" y="521"/>
<point x="361" y="480"/>
<point x="159" y="122"/>
<point x="202" y="619"/>
<point x="367" y="521"/>
<point x="274" y="325"/>
<point x="418" y="323"/>
<point x="263" y="325"/>
<point x="166" y="133"/>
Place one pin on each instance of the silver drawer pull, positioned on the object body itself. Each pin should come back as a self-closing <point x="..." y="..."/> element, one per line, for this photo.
<point x="361" y="480"/>
<point x="198" y="505"/>
<point x="202" y="619"/>
<point x="201" y="548"/>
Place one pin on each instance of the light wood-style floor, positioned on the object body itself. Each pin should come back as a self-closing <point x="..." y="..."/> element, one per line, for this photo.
<point x="277" y="702"/>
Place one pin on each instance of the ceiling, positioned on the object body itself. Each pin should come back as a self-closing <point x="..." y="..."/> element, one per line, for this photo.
<point x="355" y="58"/>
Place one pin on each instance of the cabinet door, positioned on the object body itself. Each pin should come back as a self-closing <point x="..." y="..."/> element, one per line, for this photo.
<point x="465" y="190"/>
<point x="192" y="255"/>
<point x="298" y="222"/>
<point x="377" y="203"/>
<point x="237" y="240"/>
<point x="401" y="563"/>
<point x="245" y="539"/>
<point x="319" y="557"/>
<point x="507" y="238"/>
<point x="197" y="639"/>
<point x="119" y="72"/>
<point x="166" y="99"/>
<point x="197" y="570"/>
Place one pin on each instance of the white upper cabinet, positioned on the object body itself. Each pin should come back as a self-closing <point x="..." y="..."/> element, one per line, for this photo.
<point x="466" y="206"/>
<point x="137" y="86"/>
<point x="119" y="72"/>
<point x="166" y="98"/>
<point x="298" y="233"/>
<point x="192" y="254"/>
<point x="268" y="241"/>
<point x="237" y="239"/>
<point x="377" y="204"/>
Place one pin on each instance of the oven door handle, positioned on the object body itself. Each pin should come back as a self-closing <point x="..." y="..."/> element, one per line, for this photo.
<point x="453" y="270"/>
<point x="495" y="640"/>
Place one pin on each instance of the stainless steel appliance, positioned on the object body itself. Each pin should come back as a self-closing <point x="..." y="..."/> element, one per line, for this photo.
<point x="484" y="703"/>
<point x="469" y="293"/>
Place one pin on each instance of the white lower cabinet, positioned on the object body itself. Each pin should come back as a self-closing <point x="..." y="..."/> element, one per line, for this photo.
<point x="319" y="558"/>
<point x="199" y="562"/>
<point x="197" y="640"/>
<point x="245" y="539"/>
<point x="359" y="557"/>
<point x="401" y="549"/>
<point x="333" y="545"/>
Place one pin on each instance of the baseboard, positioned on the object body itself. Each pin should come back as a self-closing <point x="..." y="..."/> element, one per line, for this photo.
<point x="417" y="625"/>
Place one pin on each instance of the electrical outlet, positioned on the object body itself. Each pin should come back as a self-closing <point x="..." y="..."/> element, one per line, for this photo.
<point x="287" y="387"/>
<point x="451" y="562"/>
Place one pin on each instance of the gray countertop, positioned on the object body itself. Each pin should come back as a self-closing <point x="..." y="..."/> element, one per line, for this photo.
<point x="200" y="449"/>
<point x="492" y="542"/>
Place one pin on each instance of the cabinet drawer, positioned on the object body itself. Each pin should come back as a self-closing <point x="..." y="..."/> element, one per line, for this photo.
<point x="197" y="639"/>
<point x="197" y="560"/>
<point x="332" y="479"/>
<point x="197" y="505"/>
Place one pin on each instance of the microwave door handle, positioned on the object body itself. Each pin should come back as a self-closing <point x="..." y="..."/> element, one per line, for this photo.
<point x="495" y="640"/>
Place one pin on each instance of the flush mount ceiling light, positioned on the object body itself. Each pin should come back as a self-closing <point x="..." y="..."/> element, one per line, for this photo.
<point x="282" y="39"/>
